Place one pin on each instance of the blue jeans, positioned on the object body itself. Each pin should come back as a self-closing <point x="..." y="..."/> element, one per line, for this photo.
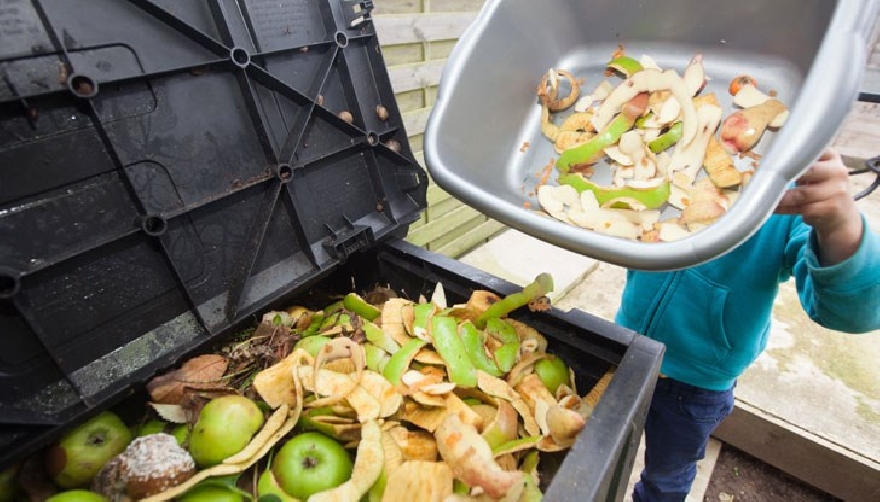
<point x="677" y="429"/>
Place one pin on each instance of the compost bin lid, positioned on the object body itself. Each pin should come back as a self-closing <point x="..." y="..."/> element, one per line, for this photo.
<point x="168" y="170"/>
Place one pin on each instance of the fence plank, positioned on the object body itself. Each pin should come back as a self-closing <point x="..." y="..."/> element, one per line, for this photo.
<point x="470" y="240"/>
<point x="440" y="226"/>
<point x="395" y="29"/>
<point x="414" y="76"/>
<point x="415" y="121"/>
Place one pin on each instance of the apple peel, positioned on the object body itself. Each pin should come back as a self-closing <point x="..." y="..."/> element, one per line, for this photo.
<point x="472" y="460"/>
<point x="517" y="445"/>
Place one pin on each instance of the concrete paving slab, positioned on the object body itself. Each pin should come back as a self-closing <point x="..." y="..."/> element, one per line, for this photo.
<point x="519" y="258"/>
<point x="598" y="293"/>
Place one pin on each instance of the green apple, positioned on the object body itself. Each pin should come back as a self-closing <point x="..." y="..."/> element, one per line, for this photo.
<point x="225" y="426"/>
<point x="9" y="488"/>
<point x="552" y="372"/>
<point x="210" y="493"/>
<point x="268" y="485"/>
<point x="310" y="463"/>
<point x="151" y="427"/>
<point x="73" y="461"/>
<point x="181" y="434"/>
<point x="76" y="496"/>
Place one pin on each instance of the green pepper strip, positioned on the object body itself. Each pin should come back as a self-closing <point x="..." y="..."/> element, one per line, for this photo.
<point x="666" y="139"/>
<point x="400" y="361"/>
<point x="652" y="198"/>
<point x="471" y="401"/>
<point x="461" y="371"/>
<point x="378" y="337"/>
<point x="592" y="151"/>
<point x="542" y="285"/>
<point x="359" y="306"/>
<point x="474" y="342"/>
<point x="640" y="123"/>
<point x="506" y="356"/>
<point x="501" y="330"/>
<point x="625" y="65"/>
<point x="516" y="444"/>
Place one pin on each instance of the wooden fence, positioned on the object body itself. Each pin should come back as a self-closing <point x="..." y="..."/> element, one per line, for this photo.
<point x="416" y="38"/>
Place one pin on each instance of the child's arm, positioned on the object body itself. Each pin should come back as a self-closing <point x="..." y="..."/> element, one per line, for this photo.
<point x="835" y="256"/>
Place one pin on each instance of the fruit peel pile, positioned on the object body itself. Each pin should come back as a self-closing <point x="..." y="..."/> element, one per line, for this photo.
<point x="665" y="140"/>
<point x="376" y="398"/>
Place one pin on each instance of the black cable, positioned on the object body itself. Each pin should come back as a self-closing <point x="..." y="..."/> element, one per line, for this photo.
<point x="872" y="165"/>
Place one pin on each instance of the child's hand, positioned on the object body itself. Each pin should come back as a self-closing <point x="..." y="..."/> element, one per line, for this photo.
<point x="822" y="198"/>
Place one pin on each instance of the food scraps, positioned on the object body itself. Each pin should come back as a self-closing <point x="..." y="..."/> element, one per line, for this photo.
<point x="659" y="133"/>
<point x="400" y="400"/>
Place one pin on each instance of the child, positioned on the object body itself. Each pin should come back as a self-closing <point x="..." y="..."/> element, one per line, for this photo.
<point x="715" y="318"/>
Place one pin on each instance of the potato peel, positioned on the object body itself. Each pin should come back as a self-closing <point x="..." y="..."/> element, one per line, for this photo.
<point x="420" y="480"/>
<point x="499" y="388"/>
<point x="431" y="418"/>
<point x="414" y="445"/>
<point x="472" y="461"/>
<point x="397" y="313"/>
<point x="428" y="399"/>
<point x="564" y="425"/>
<point x="377" y="386"/>
<point x="428" y="356"/>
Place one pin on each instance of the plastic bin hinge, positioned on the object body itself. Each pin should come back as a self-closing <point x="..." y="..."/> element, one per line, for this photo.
<point x="354" y="16"/>
<point x="350" y="241"/>
<point x="408" y="180"/>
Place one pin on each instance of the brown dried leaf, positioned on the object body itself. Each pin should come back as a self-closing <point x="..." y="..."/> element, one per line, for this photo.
<point x="201" y="372"/>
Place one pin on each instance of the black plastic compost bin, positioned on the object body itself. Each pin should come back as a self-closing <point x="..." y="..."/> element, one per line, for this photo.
<point x="170" y="170"/>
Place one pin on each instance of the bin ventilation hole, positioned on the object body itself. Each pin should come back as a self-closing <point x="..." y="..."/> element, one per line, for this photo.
<point x="285" y="173"/>
<point x="82" y="86"/>
<point x="154" y="225"/>
<point x="372" y="138"/>
<point x="341" y="39"/>
<point x="9" y="284"/>
<point x="240" y="57"/>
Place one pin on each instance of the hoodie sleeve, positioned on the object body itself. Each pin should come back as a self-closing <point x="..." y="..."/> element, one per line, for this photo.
<point x="842" y="297"/>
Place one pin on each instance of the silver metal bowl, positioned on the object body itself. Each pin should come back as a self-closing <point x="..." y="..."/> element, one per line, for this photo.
<point x="811" y="52"/>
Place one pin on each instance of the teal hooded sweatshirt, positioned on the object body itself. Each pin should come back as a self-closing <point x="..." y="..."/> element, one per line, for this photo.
<point x="715" y="318"/>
